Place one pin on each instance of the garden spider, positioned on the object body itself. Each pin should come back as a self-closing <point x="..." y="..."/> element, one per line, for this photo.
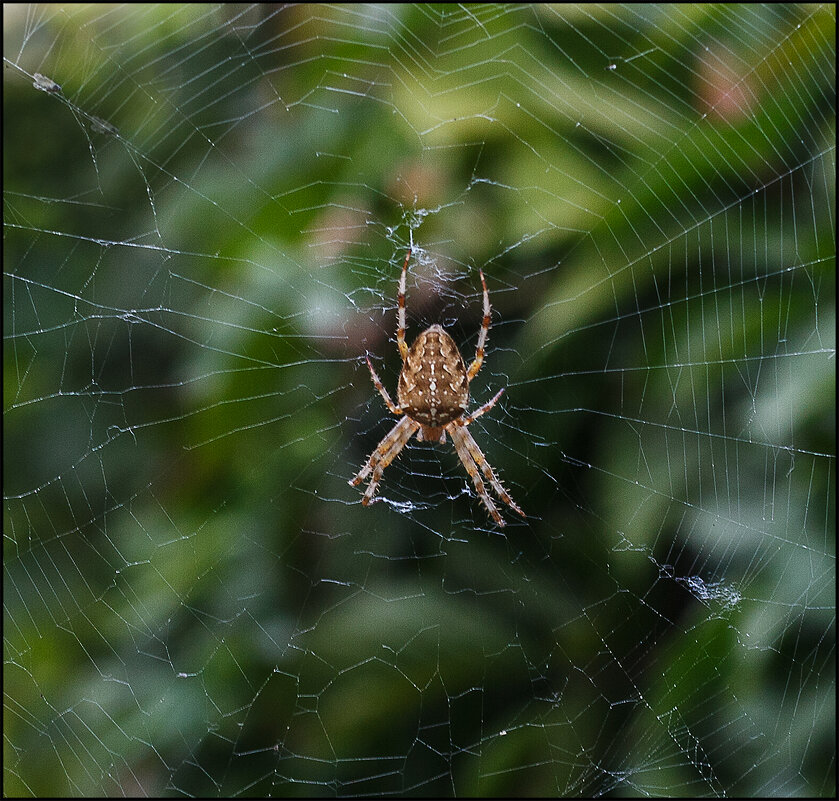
<point x="433" y="392"/>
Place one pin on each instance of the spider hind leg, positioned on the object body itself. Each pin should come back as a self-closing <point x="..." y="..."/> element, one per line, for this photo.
<point x="482" y="335"/>
<point x="400" y="332"/>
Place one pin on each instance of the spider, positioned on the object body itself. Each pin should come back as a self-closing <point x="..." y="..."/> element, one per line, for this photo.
<point x="433" y="391"/>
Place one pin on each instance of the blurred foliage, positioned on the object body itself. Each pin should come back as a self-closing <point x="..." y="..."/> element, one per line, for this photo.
<point x="195" y="603"/>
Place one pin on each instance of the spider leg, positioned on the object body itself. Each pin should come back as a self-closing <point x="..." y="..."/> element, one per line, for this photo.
<point x="462" y="433"/>
<point x="386" y="451"/>
<point x="469" y="463"/>
<point x="400" y="331"/>
<point x="482" y="336"/>
<point x="465" y="421"/>
<point x="382" y="391"/>
<point x="394" y="450"/>
<point x="382" y="450"/>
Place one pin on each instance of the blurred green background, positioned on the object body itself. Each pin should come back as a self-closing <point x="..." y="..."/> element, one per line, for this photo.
<point x="203" y="233"/>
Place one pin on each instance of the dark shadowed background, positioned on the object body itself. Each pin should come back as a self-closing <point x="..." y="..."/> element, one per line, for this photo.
<point x="206" y="209"/>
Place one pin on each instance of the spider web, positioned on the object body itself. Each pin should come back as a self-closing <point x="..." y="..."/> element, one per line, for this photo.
<point x="206" y="211"/>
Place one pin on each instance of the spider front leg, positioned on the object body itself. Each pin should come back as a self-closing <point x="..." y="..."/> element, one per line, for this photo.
<point x="386" y="451"/>
<point x="468" y="442"/>
<point x="459" y="441"/>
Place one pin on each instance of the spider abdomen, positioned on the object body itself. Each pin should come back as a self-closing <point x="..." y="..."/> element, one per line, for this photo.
<point x="433" y="388"/>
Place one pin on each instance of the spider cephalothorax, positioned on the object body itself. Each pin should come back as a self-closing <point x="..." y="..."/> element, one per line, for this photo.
<point x="433" y="392"/>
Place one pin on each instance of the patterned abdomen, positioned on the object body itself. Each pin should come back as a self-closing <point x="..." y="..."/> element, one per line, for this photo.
<point x="433" y="389"/>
